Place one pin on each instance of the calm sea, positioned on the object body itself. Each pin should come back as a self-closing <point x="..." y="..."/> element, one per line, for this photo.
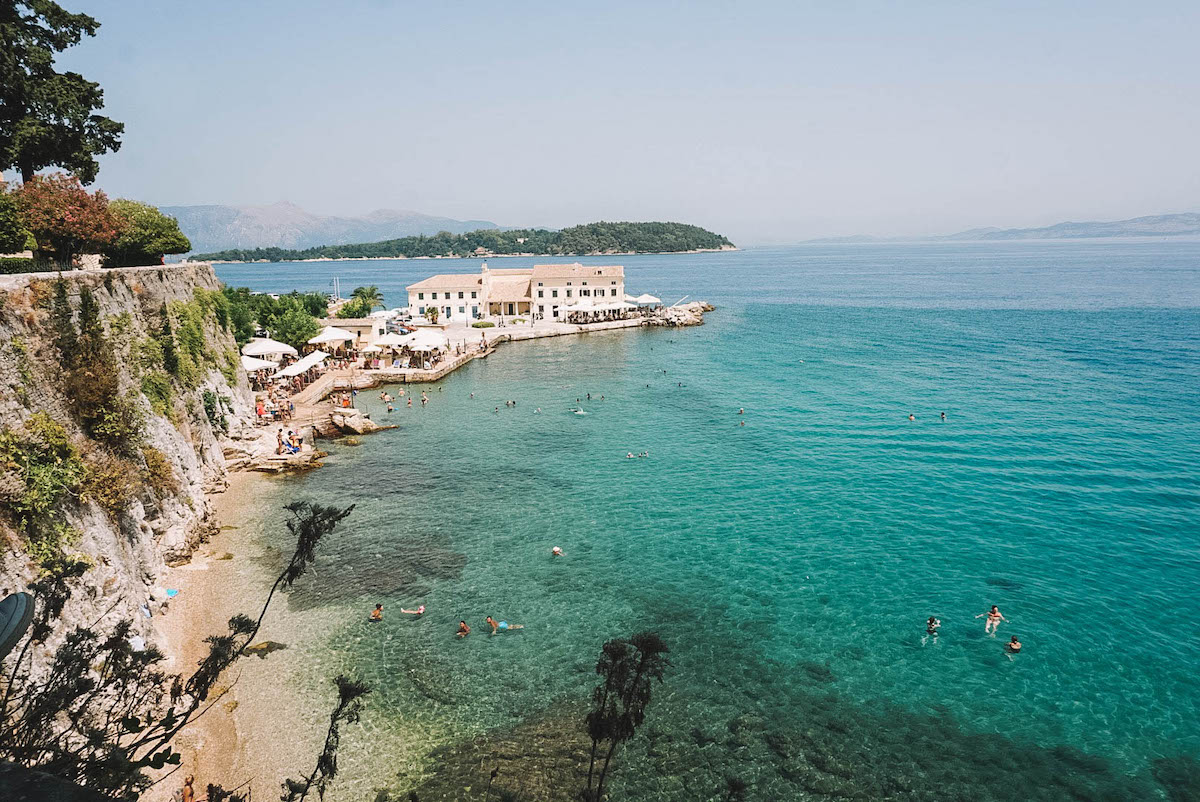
<point x="791" y="563"/>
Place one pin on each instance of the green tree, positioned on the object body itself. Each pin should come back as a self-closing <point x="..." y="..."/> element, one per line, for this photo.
<point x="48" y="118"/>
<point x="12" y="230"/>
<point x="145" y="235"/>
<point x="355" y="307"/>
<point x="369" y="295"/>
<point x="295" y="327"/>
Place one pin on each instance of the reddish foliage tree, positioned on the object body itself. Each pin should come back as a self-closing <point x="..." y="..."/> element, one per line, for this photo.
<point x="65" y="219"/>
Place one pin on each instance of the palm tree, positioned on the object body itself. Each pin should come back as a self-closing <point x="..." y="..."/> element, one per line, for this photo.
<point x="370" y="295"/>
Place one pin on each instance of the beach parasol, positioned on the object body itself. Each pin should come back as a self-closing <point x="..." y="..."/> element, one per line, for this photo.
<point x="264" y="346"/>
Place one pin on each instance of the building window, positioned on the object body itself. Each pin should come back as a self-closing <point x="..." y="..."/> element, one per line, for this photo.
<point x="462" y="309"/>
<point x="541" y="310"/>
<point x="568" y="284"/>
<point x="460" y="297"/>
<point x="554" y="294"/>
<point x="585" y="292"/>
<point x="472" y="295"/>
<point x="420" y="297"/>
<point x="541" y="293"/>
<point x="539" y="283"/>
<point x="420" y="311"/>
<point x="612" y="282"/>
<point x="585" y="283"/>
<point x="555" y="311"/>
<point x="568" y="293"/>
<point x="474" y="310"/>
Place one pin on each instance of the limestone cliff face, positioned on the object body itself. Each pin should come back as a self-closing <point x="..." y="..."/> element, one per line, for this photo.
<point x="186" y="413"/>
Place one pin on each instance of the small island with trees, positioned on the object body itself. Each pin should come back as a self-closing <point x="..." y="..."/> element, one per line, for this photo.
<point x="589" y="239"/>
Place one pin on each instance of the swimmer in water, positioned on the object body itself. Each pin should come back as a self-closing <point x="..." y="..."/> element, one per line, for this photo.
<point x="472" y="395"/>
<point x="501" y="626"/>
<point x="943" y="416"/>
<point x="419" y="611"/>
<point x="994" y="617"/>
<point x="410" y="402"/>
<point x="629" y="455"/>
<point x="391" y="408"/>
<point x="377" y="613"/>
<point x="537" y="411"/>
<point x="741" y="411"/>
<point x="931" y="626"/>
<point x="497" y="409"/>
<point x="1013" y="645"/>
<point x="463" y="629"/>
<point x="912" y="416"/>
<point x="557" y="552"/>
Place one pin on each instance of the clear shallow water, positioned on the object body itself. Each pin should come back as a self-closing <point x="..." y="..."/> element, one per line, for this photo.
<point x="791" y="563"/>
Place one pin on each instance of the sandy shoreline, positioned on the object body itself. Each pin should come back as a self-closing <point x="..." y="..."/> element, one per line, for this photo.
<point x="211" y="746"/>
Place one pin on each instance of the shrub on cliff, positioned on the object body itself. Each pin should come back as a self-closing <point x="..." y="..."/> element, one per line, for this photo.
<point x="160" y="473"/>
<point x="145" y="234"/>
<point x="110" y="481"/>
<point x="64" y="218"/>
<point x="41" y="467"/>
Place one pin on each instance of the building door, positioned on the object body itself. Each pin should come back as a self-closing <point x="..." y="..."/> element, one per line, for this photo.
<point x="447" y="313"/>
<point x="511" y="310"/>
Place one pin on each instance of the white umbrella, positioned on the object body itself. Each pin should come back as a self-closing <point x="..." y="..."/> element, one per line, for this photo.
<point x="263" y="346"/>
<point x="648" y="300"/>
<point x="331" y="334"/>
<point x="392" y="340"/>
<point x="372" y="349"/>
<point x="426" y="340"/>
<point x="308" y="361"/>
<point x="252" y="363"/>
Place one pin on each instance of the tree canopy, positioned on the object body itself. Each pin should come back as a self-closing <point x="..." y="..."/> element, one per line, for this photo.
<point x="12" y="229"/>
<point x="48" y="118"/>
<point x="592" y="238"/>
<point x="65" y="218"/>
<point x="145" y="235"/>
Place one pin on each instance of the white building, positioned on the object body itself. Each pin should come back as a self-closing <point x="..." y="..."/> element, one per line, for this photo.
<point x="548" y="291"/>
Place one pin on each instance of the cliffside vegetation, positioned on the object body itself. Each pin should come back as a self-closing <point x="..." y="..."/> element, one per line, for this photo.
<point x="592" y="238"/>
<point x="59" y="219"/>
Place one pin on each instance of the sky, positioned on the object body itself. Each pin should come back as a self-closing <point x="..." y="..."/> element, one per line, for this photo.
<point x="769" y="122"/>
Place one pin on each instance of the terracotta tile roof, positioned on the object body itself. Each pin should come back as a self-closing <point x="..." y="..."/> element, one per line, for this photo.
<point x="448" y="281"/>
<point x="577" y="270"/>
<point x="508" y="289"/>
<point x="510" y="271"/>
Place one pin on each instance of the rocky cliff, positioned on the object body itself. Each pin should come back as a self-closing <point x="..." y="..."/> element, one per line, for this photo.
<point x="119" y="390"/>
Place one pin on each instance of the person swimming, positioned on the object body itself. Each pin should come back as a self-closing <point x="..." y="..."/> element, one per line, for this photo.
<point x="377" y="613"/>
<point x="932" y="625"/>
<point x="391" y="408"/>
<point x="943" y="416"/>
<point x="557" y="551"/>
<point x="912" y="416"/>
<point x="741" y="411"/>
<point x="994" y="617"/>
<point x="502" y="626"/>
<point x="419" y="611"/>
<point x="463" y="629"/>
<point x="1013" y="645"/>
<point x="629" y="455"/>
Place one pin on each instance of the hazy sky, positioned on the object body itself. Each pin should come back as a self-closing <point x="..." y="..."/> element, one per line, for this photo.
<point x="766" y="121"/>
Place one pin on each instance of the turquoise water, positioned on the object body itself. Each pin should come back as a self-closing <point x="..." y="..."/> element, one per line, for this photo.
<point x="791" y="563"/>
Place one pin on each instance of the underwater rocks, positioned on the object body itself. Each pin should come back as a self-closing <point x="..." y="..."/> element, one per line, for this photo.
<point x="542" y="760"/>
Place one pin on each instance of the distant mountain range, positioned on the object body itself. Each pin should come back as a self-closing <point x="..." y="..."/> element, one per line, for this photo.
<point x="1161" y="225"/>
<point x="286" y="225"/>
